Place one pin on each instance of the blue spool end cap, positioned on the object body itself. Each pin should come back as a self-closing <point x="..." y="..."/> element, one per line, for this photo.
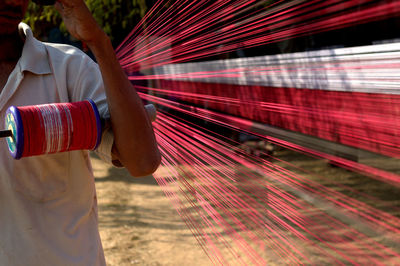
<point x="98" y="122"/>
<point x="14" y="123"/>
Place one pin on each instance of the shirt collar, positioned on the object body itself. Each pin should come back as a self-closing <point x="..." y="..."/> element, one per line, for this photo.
<point x="34" y="56"/>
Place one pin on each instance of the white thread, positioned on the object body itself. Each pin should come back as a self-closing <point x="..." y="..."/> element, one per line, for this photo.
<point x="54" y="132"/>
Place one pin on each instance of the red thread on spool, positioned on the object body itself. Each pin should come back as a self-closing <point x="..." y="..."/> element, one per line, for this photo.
<point x="59" y="127"/>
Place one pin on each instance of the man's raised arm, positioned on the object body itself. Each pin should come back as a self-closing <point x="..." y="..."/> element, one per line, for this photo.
<point x="134" y="141"/>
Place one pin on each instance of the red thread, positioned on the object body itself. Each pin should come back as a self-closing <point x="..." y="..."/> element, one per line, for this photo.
<point x="59" y="127"/>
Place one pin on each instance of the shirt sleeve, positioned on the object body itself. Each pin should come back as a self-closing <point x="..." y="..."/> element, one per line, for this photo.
<point x="105" y="149"/>
<point x="88" y="84"/>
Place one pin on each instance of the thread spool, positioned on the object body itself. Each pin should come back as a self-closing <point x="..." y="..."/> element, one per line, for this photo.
<point x="51" y="128"/>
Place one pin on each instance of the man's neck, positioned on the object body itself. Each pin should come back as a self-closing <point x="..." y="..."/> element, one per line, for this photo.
<point x="10" y="47"/>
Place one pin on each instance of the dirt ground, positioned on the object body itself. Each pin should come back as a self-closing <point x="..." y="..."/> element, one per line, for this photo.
<point x="138" y="225"/>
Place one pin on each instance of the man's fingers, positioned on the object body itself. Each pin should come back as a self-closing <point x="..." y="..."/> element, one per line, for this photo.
<point x="68" y="3"/>
<point x="59" y="7"/>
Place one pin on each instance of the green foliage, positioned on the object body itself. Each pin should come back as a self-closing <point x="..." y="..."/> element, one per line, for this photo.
<point x="116" y="17"/>
<point x="39" y="18"/>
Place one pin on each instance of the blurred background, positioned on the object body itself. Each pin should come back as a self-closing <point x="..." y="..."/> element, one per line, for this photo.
<point x="279" y="126"/>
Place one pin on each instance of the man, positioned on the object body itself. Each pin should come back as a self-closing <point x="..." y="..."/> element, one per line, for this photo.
<point x="48" y="212"/>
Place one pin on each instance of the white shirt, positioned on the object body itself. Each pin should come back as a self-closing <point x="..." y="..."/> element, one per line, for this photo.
<point x="48" y="208"/>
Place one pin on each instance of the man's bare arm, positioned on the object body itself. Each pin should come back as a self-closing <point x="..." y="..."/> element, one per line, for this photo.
<point x="134" y="141"/>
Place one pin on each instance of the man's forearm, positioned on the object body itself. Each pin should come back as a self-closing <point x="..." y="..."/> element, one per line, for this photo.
<point x="134" y="138"/>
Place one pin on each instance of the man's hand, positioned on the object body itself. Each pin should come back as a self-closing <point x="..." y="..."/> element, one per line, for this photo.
<point x="79" y="21"/>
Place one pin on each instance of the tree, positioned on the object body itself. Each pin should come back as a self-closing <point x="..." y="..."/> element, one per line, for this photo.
<point x="116" y="17"/>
